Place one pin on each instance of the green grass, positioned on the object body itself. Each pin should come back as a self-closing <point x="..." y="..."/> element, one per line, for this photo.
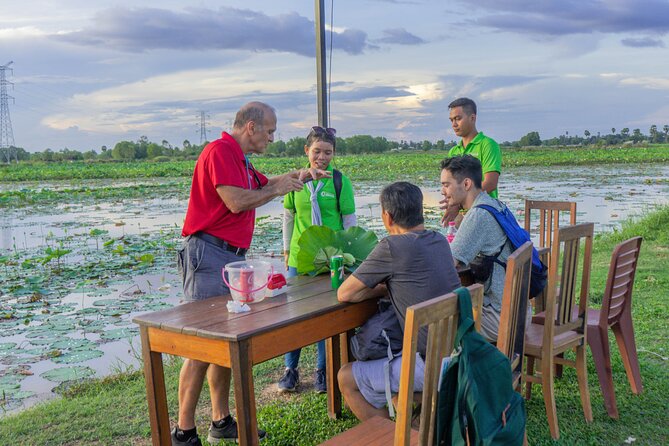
<point x="113" y="411"/>
<point x="382" y="167"/>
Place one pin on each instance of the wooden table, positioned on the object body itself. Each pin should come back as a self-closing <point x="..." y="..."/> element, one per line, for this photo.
<point x="205" y="331"/>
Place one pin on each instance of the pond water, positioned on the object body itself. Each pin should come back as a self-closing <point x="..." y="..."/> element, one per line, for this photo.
<point x="74" y="273"/>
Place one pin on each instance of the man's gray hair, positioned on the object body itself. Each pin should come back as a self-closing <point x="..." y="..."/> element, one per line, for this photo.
<point x="253" y="111"/>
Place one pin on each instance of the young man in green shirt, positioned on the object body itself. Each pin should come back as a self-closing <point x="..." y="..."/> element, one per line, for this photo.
<point x="463" y="120"/>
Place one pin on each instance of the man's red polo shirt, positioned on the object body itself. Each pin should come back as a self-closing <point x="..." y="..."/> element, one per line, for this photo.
<point x="221" y="163"/>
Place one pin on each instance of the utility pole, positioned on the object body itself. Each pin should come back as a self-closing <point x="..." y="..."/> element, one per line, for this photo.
<point x="6" y="133"/>
<point x="203" y="126"/>
<point x="320" y="64"/>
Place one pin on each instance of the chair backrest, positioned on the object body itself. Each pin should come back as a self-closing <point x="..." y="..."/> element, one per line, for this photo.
<point x="563" y="278"/>
<point x="618" y="291"/>
<point x="549" y="217"/>
<point x="513" y="319"/>
<point x="441" y="316"/>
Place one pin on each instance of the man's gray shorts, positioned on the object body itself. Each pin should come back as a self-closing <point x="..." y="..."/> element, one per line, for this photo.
<point x="200" y="265"/>
<point x="371" y="379"/>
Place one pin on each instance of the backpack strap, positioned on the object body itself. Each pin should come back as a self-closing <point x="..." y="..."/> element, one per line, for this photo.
<point x="337" y="181"/>
<point x="465" y="314"/>
<point x="386" y="375"/>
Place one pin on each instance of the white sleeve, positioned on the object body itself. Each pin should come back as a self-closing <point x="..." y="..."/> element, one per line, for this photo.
<point x="349" y="220"/>
<point x="288" y="224"/>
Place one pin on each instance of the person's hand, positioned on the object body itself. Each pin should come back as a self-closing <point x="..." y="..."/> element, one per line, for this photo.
<point x="313" y="174"/>
<point x="451" y="212"/>
<point x="288" y="183"/>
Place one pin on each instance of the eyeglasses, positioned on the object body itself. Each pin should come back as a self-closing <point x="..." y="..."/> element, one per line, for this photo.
<point x="319" y="131"/>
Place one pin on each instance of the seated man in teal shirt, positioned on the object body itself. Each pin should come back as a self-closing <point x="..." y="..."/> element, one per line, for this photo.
<point x="475" y="143"/>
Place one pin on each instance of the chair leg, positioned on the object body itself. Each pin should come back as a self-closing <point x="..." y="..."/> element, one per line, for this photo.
<point x="530" y="372"/>
<point x="558" y="367"/>
<point x="624" y="331"/>
<point x="598" y="340"/>
<point x="582" y="375"/>
<point x="547" y="384"/>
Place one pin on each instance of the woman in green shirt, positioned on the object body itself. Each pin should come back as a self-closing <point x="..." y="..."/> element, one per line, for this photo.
<point x="318" y="203"/>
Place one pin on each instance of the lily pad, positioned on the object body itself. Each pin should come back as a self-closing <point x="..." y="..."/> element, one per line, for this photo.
<point x="76" y="356"/>
<point x="63" y="374"/>
<point x="69" y="343"/>
<point x="119" y="333"/>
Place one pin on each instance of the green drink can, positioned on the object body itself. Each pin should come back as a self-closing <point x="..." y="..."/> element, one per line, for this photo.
<point x="336" y="271"/>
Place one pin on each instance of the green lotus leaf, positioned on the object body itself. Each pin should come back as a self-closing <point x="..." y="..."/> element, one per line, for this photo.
<point x="68" y="374"/>
<point x="77" y="356"/>
<point x="357" y="242"/>
<point x="313" y="240"/>
<point x="319" y="243"/>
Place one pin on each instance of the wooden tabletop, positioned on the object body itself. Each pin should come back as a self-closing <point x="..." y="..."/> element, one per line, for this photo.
<point x="210" y="318"/>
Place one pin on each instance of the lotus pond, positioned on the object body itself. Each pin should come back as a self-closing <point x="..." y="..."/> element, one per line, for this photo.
<point x="79" y="259"/>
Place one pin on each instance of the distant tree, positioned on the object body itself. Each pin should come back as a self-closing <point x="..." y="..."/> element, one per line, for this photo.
<point x="666" y="132"/>
<point x="105" y="154"/>
<point x="427" y="145"/>
<point x="613" y="130"/>
<point x="295" y="146"/>
<point x="531" y="139"/>
<point x="440" y="145"/>
<point x="625" y="133"/>
<point x="654" y="134"/>
<point x="186" y="144"/>
<point x="153" y="150"/>
<point x="277" y="147"/>
<point x="341" y="147"/>
<point x="124" y="150"/>
<point x="90" y="155"/>
<point x="636" y="135"/>
<point x="587" y="133"/>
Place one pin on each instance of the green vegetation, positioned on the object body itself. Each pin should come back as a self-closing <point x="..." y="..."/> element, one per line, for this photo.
<point x="381" y="167"/>
<point x="113" y="411"/>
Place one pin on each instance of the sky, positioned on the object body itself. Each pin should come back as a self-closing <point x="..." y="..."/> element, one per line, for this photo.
<point x="92" y="73"/>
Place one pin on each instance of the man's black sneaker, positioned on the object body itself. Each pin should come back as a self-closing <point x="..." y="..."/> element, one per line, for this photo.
<point x="226" y="430"/>
<point x="192" y="441"/>
<point x="289" y="380"/>
<point x="320" y="383"/>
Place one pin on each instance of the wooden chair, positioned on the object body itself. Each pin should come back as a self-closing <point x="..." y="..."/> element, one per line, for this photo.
<point x="441" y="316"/>
<point x="512" y="321"/>
<point x="616" y="312"/>
<point x="562" y="329"/>
<point x="549" y="220"/>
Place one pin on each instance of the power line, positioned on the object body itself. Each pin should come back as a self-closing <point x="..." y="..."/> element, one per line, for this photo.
<point x="7" y="147"/>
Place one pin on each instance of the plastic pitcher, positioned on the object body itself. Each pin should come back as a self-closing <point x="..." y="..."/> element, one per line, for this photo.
<point x="247" y="280"/>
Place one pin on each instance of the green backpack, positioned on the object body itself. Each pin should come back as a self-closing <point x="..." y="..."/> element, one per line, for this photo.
<point x="476" y="404"/>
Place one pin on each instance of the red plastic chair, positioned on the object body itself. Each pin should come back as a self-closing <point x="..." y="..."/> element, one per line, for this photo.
<point x="616" y="312"/>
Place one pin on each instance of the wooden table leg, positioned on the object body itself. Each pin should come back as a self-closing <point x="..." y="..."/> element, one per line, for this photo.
<point x="155" y="392"/>
<point x="242" y="375"/>
<point x="333" y="356"/>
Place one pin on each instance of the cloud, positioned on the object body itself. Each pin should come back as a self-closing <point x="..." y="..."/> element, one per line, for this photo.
<point x="362" y="93"/>
<point x="400" y="36"/>
<point x="143" y="29"/>
<point x="574" y="16"/>
<point x="642" y="42"/>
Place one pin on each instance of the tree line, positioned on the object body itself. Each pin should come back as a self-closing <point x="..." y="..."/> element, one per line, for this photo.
<point x="144" y="149"/>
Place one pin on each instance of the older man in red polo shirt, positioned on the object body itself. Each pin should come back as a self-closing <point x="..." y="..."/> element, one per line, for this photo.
<point x="218" y="228"/>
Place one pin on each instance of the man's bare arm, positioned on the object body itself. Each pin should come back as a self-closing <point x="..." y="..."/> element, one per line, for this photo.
<point x="353" y="290"/>
<point x="490" y="180"/>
